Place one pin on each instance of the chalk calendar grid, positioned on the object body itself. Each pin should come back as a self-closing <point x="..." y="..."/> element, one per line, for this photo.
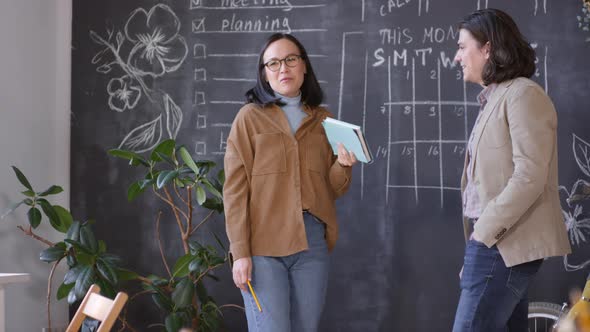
<point x="421" y="124"/>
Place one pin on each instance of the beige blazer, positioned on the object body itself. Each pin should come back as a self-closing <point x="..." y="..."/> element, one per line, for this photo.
<point x="515" y="173"/>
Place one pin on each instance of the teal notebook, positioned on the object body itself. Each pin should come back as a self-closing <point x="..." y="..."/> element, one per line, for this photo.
<point x="351" y="136"/>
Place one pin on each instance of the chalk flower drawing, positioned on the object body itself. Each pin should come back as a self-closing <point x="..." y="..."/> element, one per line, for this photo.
<point x="576" y="226"/>
<point x="158" y="48"/>
<point x="577" y="223"/>
<point x="584" y="19"/>
<point x="154" y="48"/>
<point x="122" y="94"/>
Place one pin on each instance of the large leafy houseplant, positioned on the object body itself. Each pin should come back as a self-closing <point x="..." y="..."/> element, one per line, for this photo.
<point x="86" y="257"/>
<point x="182" y="184"/>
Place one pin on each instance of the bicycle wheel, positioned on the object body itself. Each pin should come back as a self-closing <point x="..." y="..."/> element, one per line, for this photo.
<point x="543" y="316"/>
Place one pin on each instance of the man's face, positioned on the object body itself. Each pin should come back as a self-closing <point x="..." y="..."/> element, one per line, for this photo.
<point x="472" y="57"/>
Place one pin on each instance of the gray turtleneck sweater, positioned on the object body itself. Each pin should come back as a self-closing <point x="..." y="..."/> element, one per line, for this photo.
<point x="293" y="109"/>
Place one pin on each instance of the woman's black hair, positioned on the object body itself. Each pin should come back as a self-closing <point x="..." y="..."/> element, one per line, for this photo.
<point x="511" y="56"/>
<point x="263" y="94"/>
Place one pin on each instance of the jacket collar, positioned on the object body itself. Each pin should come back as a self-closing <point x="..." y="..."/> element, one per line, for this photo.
<point x="278" y="119"/>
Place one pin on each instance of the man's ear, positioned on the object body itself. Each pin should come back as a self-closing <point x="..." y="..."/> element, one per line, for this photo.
<point x="487" y="48"/>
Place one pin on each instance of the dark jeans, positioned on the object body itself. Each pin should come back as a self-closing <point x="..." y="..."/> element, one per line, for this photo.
<point x="493" y="296"/>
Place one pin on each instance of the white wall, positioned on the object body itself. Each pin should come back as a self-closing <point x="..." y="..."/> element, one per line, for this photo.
<point x="34" y="136"/>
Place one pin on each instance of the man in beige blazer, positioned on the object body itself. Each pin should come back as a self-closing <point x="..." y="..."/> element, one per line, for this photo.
<point x="512" y="217"/>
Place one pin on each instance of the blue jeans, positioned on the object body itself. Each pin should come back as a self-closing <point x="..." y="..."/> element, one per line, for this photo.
<point x="291" y="289"/>
<point x="493" y="296"/>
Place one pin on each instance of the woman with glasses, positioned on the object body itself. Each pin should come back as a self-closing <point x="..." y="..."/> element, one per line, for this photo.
<point x="281" y="183"/>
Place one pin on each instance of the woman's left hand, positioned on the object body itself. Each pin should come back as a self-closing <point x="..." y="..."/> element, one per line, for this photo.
<point x="345" y="158"/>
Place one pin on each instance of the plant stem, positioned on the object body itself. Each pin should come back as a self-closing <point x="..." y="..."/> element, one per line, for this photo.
<point x="170" y="202"/>
<point x="189" y="195"/>
<point x="202" y="222"/>
<point x="136" y="295"/>
<point x="160" y="244"/>
<point x="189" y="223"/>
<point x="122" y="317"/>
<point x="125" y="324"/>
<point x="30" y="233"/>
<point x="49" y="292"/>
<point x="177" y="217"/>
<point x="145" y="280"/>
<point x="179" y="195"/>
<point x="231" y="306"/>
<point x="207" y="271"/>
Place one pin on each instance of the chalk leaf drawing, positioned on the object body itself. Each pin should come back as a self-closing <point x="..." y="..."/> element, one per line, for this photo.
<point x="173" y="116"/>
<point x="581" y="154"/>
<point x="143" y="137"/>
<point x="147" y="49"/>
<point x="577" y="223"/>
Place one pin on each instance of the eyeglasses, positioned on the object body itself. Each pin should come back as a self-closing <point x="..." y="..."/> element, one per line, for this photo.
<point x="291" y="61"/>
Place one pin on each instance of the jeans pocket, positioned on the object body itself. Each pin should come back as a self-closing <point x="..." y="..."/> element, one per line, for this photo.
<point x="315" y="230"/>
<point x="520" y="277"/>
<point x="479" y="265"/>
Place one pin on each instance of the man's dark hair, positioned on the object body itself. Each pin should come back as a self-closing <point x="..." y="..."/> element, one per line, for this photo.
<point x="511" y="56"/>
<point x="262" y="93"/>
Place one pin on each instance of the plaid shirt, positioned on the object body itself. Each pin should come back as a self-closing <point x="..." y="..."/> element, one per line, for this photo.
<point x="471" y="204"/>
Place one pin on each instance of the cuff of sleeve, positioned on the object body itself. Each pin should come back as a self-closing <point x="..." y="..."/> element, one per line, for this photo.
<point x="344" y="171"/>
<point x="483" y="234"/>
<point x="239" y="251"/>
<point x="340" y="175"/>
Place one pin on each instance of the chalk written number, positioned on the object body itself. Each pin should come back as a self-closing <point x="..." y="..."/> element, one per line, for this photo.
<point x="433" y="150"/>
<point x="407" y="151"/>
<point x="433" y="74"/>
<point x="460" y="150"/>
<point x="432" y="111"/>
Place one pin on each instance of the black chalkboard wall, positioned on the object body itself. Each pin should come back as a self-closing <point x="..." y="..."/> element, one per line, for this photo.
<point x="386" y="65"/>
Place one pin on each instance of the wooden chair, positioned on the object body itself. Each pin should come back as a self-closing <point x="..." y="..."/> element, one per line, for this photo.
<point x="98" y="307"/>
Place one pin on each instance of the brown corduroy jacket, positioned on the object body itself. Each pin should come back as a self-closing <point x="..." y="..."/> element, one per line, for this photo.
<point x="271" y="176"/>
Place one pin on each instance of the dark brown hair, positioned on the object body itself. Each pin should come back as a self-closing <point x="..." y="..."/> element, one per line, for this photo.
<point x="511" y="56"/>
<point x="262" y="93"/>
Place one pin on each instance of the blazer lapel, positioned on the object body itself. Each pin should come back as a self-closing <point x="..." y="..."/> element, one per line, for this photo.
<point x="495" y="98"/>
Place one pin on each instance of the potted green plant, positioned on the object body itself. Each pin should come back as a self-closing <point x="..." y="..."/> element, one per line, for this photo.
<point x="182" y="184"/>
<point x="86" y="257"/>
